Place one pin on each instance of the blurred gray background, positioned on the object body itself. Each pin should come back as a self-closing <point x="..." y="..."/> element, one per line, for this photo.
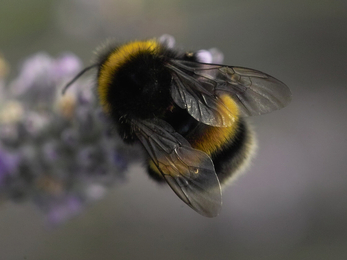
<point x="291" y="203"/>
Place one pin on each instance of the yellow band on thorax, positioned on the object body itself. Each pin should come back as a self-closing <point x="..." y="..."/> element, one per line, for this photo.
<point x="115" y="60"/>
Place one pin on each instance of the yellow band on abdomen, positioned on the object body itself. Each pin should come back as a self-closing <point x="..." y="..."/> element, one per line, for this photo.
<point x="213" y="138"/>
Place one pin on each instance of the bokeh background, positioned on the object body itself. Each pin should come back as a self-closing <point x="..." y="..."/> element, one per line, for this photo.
<point x="291" y="203"/>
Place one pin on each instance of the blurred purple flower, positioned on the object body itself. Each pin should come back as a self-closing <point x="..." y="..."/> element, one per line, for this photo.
<point x="34" y="71"/>
<point x="167" y="40"/>
<point x="210" y="56"/>
<point x="8" y="164"/>
<point x="55" y="149"/>
<point x="63" y="209"/>
<point x="41" y="77"/>
<point x="67" y="65"/>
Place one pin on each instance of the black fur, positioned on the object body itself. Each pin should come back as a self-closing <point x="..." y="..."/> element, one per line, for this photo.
<point x="140" y="88"/>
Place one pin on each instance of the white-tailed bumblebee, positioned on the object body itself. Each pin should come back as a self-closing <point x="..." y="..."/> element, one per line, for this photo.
<point x="188" y="115"/>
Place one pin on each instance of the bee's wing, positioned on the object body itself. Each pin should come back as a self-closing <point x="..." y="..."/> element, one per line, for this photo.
<point x="198" y="87"/>
<point x="188" y="171"/>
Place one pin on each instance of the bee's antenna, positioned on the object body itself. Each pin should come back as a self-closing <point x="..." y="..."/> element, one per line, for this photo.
<point x="77" y="76"/>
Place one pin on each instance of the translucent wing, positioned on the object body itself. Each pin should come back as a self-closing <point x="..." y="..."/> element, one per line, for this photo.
<point x="189" y="172"/>
<point x="198" y="87"/>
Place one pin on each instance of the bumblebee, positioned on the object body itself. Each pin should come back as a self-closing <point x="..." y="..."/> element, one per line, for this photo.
<point x="189" y="116"/>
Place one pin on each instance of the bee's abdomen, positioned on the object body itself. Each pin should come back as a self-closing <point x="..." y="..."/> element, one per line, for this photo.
<point x="235" y="153"/>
